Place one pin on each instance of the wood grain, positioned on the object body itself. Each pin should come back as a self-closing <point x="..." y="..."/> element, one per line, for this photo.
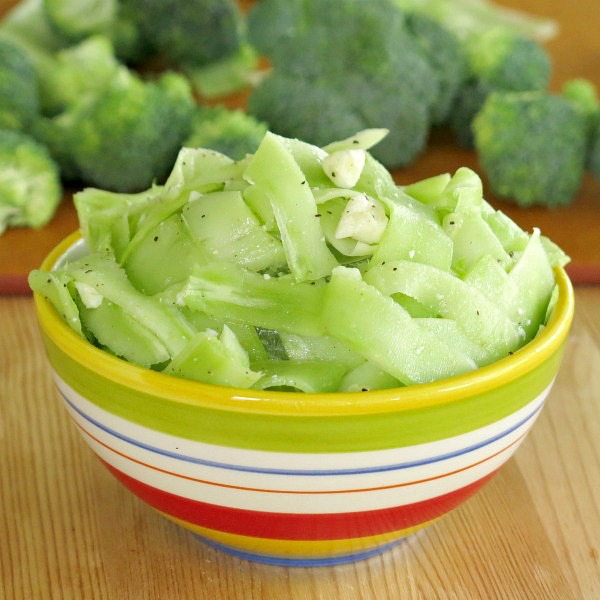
<point x="69" y="530"/>
<point x="575" y="52"/>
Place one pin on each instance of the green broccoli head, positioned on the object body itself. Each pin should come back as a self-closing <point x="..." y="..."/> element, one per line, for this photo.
<point x="131" y="134"/>
<point x="339" y="67"/>
<point x="497" y="60"/>
<point x="230" y="132"/>
<point x="191" y="33"/>
<point x="508" y="61"/>
<point x="19" y="100"/>
<point x="30" y="187"/>
<point x="532" y="147"/>
<point x="126" y="136"/>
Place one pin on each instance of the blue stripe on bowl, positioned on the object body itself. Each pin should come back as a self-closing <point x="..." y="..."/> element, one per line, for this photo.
<point x="302" y="472"/>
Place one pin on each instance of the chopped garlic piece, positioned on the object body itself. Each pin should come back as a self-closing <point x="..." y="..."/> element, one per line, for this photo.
<point x="363" y="219"/>
<point x="89" y="295"/>
<point x="344" y="167"/>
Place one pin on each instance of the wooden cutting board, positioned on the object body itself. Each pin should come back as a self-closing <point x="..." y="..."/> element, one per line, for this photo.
<point x="576" y="228"/>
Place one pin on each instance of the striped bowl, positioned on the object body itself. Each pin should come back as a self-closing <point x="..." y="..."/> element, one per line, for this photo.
<point x="301" y="479"/>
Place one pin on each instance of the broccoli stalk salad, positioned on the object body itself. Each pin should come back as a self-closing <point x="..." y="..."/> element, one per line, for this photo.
<point x="303" y="268"/>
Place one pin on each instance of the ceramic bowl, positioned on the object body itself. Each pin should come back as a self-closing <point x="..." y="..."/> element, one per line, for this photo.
<point x="301" y="479"/>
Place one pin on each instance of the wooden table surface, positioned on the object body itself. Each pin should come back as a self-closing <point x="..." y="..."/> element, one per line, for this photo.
<point x="68" y="530"/>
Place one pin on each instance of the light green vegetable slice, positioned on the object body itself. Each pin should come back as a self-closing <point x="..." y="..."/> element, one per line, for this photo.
<point x="248" y="337"/>
<point x="103" y="274"/>
<point x="510" y="235"/>
<point x="488" y="276"/>
<point x="472" y="238"/>
<point x="230" y="293"/>
<point x="196" y="171"/>
<point x="208" y="358"/>
<point x="303" y="375"/>
<point x="465" y="188"/>
<point x="448" y="296"/>
<point x="556" y="255"/>
<point x="260" y="205"/>
<point x="413" y="233"/>
<point x="294" y="207"/>
<point x="201" y="170"/>
<point x="377" y="182"/>
<point x="319" y="348"/>
<point x="428" y="190"/>
<point x="309" y="158"/>
<point x="528" y="288"/>
<point x="122" y="335"/>
<point x="223" y="224"/>
<point x="367" y="376"/>
<point x="362" y="140"/>
<point x="54" y="287"/>
<point x="384" y="333"/>
<point x="108" y="219"/>
<point x="451" y="334"/>
<point x="170" y="250"/>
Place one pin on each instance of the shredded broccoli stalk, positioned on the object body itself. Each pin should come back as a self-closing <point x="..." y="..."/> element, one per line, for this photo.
<point x="465" y="17"/>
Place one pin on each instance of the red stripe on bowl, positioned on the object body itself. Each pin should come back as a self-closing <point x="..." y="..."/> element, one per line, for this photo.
<point x="297" y="526"/>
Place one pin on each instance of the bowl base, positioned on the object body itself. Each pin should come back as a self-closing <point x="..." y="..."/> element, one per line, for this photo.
<point x="299" y="561"/>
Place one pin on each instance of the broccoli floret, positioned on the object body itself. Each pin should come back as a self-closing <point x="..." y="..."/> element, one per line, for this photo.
<point x="230" y="132"/>
<point x="532" y="146"/>
<point x="466" y="17"/>
<point x="194" y="33"/>
<point x="497" y="60"/>
<point x="339" y="67"/>
<point x="30" y="187"/>
<point x="125" y="136"/>
<point x="507" y="61"/>
<point x="19" y="100"/>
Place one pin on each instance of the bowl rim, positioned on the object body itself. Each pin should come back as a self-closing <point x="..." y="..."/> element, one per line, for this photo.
<point x="418" y="396"/>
